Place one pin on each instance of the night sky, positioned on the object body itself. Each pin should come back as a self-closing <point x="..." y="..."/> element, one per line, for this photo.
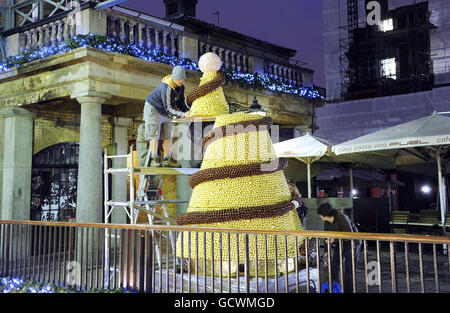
<point x="295" y="24"/>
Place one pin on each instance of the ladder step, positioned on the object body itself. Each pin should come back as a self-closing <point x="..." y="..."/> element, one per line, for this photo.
<point x="160" y="202"/>
<point x="150" y="202"/>
<point x="117" y="170"/>
<point x="114" y="203"/>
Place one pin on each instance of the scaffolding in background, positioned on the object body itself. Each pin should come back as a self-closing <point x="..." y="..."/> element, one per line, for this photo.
<point x="362" y="48"/>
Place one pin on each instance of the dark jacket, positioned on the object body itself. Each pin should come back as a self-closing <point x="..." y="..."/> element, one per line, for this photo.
<point x="341" y="223"/>
<point x="302" y="209"/>
<point x="168" y="98"/>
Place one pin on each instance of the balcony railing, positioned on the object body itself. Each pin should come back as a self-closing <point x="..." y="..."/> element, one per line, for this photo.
<point x="144" y="31"/>
<point x="87" y="256"/>
<point x="48" y="34"/>
<point x="289" y="74"/>
<point x="233" y="60"/>
<point x="239" y="61"/>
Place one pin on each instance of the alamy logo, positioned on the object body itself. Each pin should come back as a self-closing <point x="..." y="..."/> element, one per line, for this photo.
<point x="73" y="274"/>
<point x="373" y="278"/>
<point x="374" y="13"/>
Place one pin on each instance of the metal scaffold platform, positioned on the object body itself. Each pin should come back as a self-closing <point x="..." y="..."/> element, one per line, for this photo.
<point x="147" y="198"/>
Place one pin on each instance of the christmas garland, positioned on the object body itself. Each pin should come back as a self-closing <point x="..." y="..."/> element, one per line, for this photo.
<point x="153" y="55"/>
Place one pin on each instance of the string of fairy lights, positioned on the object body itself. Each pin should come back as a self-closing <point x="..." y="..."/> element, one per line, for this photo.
<point x="152" y="55"/>
<point x="18" y="285"/>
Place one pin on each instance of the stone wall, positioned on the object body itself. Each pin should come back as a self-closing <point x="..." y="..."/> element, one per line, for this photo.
<point x="55" y="127"/>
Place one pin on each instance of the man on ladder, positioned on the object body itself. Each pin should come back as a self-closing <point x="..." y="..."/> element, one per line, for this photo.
<point x="167" y="100"/>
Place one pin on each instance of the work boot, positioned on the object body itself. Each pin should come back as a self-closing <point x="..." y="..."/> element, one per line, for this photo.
<point x="169" y="162"/>
<point x="155" y="162"/>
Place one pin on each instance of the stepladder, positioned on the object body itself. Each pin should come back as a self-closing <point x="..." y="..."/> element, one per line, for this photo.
<point x="147" y="199"/>
<point x="150" y="199"/>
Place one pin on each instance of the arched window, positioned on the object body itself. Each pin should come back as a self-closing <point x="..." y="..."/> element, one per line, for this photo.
<point x="54" y="183"/>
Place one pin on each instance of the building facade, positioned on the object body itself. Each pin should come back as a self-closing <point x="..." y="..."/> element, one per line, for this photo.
<point x="387" y="62"/>
<point x="73" y="82"/>
<point x="383" y="73"/>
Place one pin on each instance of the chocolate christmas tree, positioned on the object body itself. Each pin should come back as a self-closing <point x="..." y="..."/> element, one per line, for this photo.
<point x="241" y="185"/>
<point x="208" y="99"/>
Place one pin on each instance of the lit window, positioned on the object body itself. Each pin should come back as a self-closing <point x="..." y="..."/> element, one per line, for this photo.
<point x="389" y="68"/>
<point x="386" y="25"/>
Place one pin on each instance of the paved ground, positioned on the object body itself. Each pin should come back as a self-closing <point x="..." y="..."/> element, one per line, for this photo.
<point x="429" y="273"/>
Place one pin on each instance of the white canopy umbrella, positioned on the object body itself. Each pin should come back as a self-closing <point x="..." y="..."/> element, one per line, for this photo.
<point x="307" y="149"/>
<point x="430" y="132"/>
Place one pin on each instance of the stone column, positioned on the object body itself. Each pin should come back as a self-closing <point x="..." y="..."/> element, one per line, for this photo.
<point x="66" y="33"/>
<point x="123" y="35"/>
<point x="119" y="182"/>
<point x="59" y="31"/>
<point x="165" y="42"/>
<point x="157" y="44"/>
<point x="40" y="31"/>
<point x="173" y="47"/>
<point x="131" y="32"/>
<point x="245" y="63"/>
<point x="140" y="30"/>
<point x="149" y="37"/>
<point x="90" y="174"/>
<point x="27" y="39"/>
<point x="53" y="33"/>
<point x="34" y="39"/>
<point x="298" y="78"/>
<point x="275" y="71"/>
<point x="238" y="62"/>
<point x="17" y="155"/>
<point x="221" y="50"/>
<point x="232" y="60"/>
<point x="227" y="59"/>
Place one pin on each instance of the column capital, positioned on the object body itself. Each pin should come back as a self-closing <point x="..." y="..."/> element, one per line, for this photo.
<point x="91" y="99"/>
<point x="16" y="111"/>
<point x="90" y="96"/>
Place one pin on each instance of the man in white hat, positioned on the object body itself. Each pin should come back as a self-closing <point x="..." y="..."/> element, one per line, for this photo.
<point x="165" y="102"/>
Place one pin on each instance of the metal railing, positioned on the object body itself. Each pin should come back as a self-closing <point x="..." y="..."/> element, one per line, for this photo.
<point x="110" y="256"/>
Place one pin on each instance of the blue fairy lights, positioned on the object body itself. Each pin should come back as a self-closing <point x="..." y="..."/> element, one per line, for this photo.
<point x="110" y="44"/>
<point x="17" y="285"/>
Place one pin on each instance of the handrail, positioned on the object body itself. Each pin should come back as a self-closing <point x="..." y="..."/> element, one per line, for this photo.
<point x="304" y="233"/>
